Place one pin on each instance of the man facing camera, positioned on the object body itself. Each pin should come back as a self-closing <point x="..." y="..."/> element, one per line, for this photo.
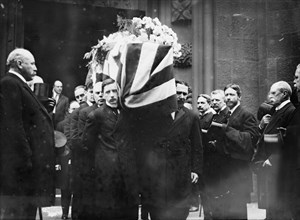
<point x="27" y="156"/>
<point x="240" y="135"/>
<point x="108" y="191"/>
<point x="62" y="102"/>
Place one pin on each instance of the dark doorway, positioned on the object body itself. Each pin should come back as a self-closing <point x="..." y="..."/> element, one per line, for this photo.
<point x="59" y="34"/>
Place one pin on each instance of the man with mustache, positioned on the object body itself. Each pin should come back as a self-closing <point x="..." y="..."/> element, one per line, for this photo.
<point x="272" y="153"/>
<point x="27" y="156"/>
<point x="240" y="135"/>
<point x="108" y="191"/>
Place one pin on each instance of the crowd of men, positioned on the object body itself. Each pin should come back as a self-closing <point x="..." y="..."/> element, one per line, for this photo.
<point x="114" y="160"/>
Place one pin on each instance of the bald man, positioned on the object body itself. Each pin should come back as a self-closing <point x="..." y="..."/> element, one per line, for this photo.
<point x="271" y="151"/>
<point x="62" y="102"/>
<point x="27" y="157"/>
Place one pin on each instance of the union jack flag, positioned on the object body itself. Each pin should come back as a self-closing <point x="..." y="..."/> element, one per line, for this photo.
<point x="144" y="73"/>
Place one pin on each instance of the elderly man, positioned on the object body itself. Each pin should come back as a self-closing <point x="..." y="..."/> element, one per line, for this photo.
<point x="271" y="151"/>
<point x="62" y="102"/>
<point x="27" y="156"/>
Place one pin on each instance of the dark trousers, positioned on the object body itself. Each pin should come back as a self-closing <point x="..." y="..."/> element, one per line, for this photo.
<point x="17" y="209"/>
<point x="66" y="195"/>
<point x="224" y="207"/>
<point x="130" y="213"/>
<point x="171" y="213"/>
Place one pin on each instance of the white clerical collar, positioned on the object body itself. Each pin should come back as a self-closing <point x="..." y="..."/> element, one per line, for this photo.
<point x="235" y="107"/>
<point x="282" y="105"/>
<point x="18" y="75"/>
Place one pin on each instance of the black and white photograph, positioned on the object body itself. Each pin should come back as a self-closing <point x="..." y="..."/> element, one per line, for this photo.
<point x="149" y="109"/>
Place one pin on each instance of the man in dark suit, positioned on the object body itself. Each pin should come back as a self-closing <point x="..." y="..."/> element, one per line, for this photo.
<point x="112" y="199"/>
<point x="293" y="143"/>
<point x="216" y="161"/>
<point x="83" y="95"/>
<point x="84" y="112"/>
<point x="240" y="134"/>
<point x="205" y="111"/>
<point x="27" y="157"/>
<point x="62" y="102"/>
<point x="64" y="162"/>
<point x="273" y="153"/>
<point x="170" y="160"/>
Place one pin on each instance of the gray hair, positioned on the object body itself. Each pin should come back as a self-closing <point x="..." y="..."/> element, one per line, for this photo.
<point x="283" y="86"/>
<point x="15" y="55"/>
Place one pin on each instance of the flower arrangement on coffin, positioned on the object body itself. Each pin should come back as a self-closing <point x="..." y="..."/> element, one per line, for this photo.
<point x="135" y="30"/>
<point x="153" y="46"/>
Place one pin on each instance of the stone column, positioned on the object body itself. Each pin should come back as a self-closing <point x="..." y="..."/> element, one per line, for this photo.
<point x="203" y="47"/>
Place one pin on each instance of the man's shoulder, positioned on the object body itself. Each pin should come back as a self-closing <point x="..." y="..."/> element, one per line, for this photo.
<point x="64" y="98"/>
<point x="190" y="112"/>
<point x="11" y="79"/>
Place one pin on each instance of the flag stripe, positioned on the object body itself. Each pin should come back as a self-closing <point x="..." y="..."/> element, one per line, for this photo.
<point x="156" y="94"/>
<point x="159" y="78"/>
<point x="145" y="63"/>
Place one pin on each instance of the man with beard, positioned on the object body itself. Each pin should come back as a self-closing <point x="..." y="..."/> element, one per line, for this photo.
<point x="173" y="162"/>
<point x="273" y="153"/>
<point x="240" y="135"/>
<point x="110" y="194"/>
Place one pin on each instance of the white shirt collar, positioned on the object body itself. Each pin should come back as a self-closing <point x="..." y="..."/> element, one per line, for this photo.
<point x="89" y="103"/>
<point x="235" y="107"/>
<point x="282" y="105"/>
<point x="54" y="94"/>
<point x="18" y="75"/>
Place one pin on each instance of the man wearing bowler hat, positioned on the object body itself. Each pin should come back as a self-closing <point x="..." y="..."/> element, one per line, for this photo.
<point x="27" y="158"/>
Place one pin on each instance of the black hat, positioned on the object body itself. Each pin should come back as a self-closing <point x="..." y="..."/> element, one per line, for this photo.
<point x="41" y="90"/>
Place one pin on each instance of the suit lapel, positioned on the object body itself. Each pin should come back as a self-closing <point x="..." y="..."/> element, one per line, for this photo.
<point x="276" y="119"/>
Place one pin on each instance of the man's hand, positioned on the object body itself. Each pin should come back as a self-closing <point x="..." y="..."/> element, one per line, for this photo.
<point x="49" y="104"/>
<point x="264" y="121"/>
<point x="194" y="177"/>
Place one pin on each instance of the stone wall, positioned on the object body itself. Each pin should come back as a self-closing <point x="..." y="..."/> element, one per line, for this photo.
<point x="256" y="44"/>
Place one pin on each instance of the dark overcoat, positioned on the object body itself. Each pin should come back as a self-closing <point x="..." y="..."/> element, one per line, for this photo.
<point x="292" y="141"/>
<point x="27" y="155"/>
<point x="61" y="109"/>
<point x="240" y="136"/>
<point x="109" y="188"/>
<point x="167" y="152"/>
<point x="63" y="176"/>
<point x="275" y="181"/>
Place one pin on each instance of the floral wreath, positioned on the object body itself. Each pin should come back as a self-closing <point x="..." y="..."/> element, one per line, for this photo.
<point x="136" y="30"/>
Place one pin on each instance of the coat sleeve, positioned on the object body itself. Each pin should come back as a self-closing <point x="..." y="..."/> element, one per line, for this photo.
<point x="12" y="127"/>
<point x="241" y="136"/>
<point x="196" y="146"/>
